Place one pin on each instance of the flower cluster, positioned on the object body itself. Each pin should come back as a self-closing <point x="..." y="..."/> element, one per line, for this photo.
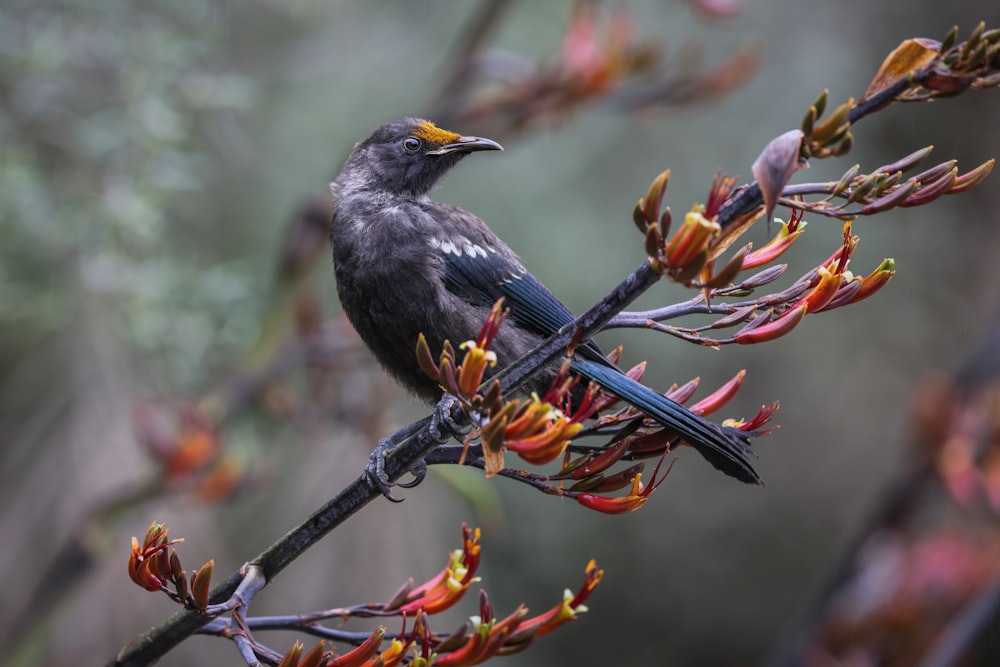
<point x="541" y="429"/>
<point x="484" y="637"/>
<point x="155" y="566"/>
<point x="690" y="255"/>
<point x="538" y="428"/>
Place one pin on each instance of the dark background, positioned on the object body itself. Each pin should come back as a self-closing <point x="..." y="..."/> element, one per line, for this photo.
<point x="150" y="158"/>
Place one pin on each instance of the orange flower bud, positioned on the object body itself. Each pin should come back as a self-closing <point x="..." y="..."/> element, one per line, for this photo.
<point x="473" y="369"/>
<point x="691" y="240"/>
<point x="291" y="659"/>
<point x="357" y="656"/>
<point x="315" y="657"/>
<point x="148" y="564"/>
<point x="426" y="360"/>
<point x="754" y="423"/>
<point x="654" y="197"/>
<point x="201" y="584"/>
<point x="548" y="444"/>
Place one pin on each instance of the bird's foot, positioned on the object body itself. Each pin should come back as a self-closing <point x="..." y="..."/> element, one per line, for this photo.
<point x="375" y="470"/>
<point x="442" y="428"/>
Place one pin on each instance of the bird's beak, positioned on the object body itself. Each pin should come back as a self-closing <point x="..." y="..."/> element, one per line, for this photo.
<point x="467" y="145"/>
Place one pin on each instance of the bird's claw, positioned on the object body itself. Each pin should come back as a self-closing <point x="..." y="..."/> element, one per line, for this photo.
<point x="377" y="477"/>
<point x="375" y="470"/>
<point x="419" y="472"/>
<point x="442" y="428"/>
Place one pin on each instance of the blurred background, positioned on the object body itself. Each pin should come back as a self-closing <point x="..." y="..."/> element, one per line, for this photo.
<point x="164" y="179"/>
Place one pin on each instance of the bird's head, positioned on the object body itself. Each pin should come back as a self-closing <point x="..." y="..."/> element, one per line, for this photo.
<point x="408" y="156"/>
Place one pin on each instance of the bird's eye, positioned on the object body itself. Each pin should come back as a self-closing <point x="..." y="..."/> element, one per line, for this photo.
<point x="411" y="144"/>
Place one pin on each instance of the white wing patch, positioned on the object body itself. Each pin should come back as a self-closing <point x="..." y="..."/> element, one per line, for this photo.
<point x="460" y="247"/>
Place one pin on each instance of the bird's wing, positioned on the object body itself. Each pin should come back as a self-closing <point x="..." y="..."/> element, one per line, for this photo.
<point x="485" y="278"/>
<point x="480" y="268"/>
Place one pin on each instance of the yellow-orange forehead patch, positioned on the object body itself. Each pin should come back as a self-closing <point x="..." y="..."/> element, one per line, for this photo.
<point x="430" y="132"/>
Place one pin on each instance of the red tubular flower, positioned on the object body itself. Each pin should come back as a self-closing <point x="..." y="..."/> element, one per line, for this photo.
<point x="635" y="499"/>
<point x="859" y="289"/>
<point x="719" y="193"/>
<point x="774" y="248"/>
<point x="548" y="442"/>
<point x="771" y="330"/>
<point x="474" y="364"/>
<point x="837" y="262"/>
<point x="536" y="429"/>
<point x="876" y="280"/>
<point x="450" y="585"/>
<point x="486" y="639"/>
<point x="754" y="423"/>
<point x="567" y="610"/>
<point x="360" y="655"/>
<point x="684" y="392"/>
<point x="719" y="397"/>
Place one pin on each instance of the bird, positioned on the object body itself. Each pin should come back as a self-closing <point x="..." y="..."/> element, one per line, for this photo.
<point x="407" y="265"/>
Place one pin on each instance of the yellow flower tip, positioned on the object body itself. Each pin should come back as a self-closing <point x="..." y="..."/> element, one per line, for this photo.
<point x="636" y="485"/>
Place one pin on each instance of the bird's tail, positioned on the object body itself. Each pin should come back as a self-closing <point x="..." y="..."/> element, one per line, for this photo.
<point x="725" y="448"/>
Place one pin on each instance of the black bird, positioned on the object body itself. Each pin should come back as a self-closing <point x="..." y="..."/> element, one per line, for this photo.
<point x="406" y="264"/>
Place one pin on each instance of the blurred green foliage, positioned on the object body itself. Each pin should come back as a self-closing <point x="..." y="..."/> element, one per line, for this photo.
<point x="103" y="129"/>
